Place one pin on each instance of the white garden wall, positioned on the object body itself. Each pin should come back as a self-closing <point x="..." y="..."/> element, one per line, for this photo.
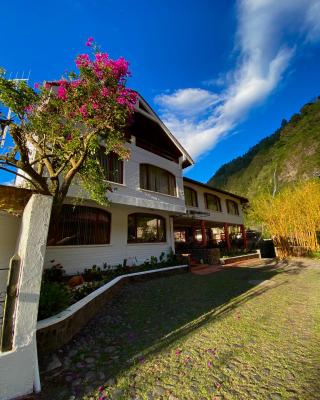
<point x="76" y="258"/>
<point x="18" y="367"/>
<point x="9" y="229"/>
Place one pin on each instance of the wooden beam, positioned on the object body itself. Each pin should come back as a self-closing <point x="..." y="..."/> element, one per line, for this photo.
<point x="226" y="235"/>
<point x="244" y="236"/>
<point x="203" y="233"/>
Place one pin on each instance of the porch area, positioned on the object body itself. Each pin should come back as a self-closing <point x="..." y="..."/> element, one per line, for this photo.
<point x="207" y="238"/>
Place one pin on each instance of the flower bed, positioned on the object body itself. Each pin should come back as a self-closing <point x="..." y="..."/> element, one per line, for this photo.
<point x="59" y="291"/>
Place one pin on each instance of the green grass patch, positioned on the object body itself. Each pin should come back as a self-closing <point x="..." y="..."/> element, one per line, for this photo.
<point x="243" y="333"/>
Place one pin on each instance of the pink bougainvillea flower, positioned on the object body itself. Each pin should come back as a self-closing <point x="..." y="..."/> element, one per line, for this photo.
<point x="104" y="92"/>
<point x="100" y="389"/>
<point x="29" y="109"/>
<point x="89" y="41"/>
<point x="217" y="385"/>
<point x="209" y="364"/>
<point x="76" y="83"/>
<point x="82" y="60"/>
<point x="62" y="93"/>
<point x="178" y="352"/>
<point x="83" y="110"/>
<point x="36" y="85"/>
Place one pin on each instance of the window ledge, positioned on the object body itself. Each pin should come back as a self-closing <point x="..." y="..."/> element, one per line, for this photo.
<point x="147" y="243"/>
<point x="76" y="246"/>
<point x="162" y="194"/>
<point x="114" y="183"/>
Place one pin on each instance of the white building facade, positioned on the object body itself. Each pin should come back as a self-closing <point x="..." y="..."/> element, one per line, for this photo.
<point x="147" y="205"/>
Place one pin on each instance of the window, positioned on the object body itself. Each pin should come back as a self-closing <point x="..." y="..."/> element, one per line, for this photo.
<point x="190" y="196"/>
<point x="112" y="166"/>
<point x="157" y="179"/>
<point x="212" y="202"/>
<point x="232" y="207"/>
<point x="146" y="228"/>
<point x="80" y="225"/>
<point x="180" y="236"/>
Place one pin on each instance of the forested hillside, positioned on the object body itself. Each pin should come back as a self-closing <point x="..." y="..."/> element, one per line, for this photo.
<point x="290" y="154"/>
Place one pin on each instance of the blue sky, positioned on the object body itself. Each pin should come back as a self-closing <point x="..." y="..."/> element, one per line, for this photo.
<point x="221" y="75"/>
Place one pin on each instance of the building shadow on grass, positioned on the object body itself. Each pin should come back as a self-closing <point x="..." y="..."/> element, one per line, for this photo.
<point x="146" y="317"/>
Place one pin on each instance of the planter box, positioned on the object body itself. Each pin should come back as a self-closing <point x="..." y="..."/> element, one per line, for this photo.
<point x="231" y="260"/>
<point x="208" y="256"/>
<point x="54" y="332"/>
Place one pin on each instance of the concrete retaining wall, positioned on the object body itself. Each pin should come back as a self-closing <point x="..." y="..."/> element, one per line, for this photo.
<point x="244" y="257"/>
<point x="54" y="332"/>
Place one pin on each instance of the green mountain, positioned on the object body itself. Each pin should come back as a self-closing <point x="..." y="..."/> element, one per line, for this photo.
<point x="290" y="154"/>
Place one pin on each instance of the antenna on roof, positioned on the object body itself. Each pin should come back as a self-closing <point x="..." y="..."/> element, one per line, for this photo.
<point x="6" y="129"/>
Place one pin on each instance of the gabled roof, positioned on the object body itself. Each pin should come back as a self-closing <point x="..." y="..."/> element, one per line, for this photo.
<point x="242" y="199"/>
<point x="144" y="109"/>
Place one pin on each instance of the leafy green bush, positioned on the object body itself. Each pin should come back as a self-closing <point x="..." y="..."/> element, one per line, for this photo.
<point x="83" y="291"/>
<point x="54" y="273"/>
<point x="92" y="274"/>
<point x="54" y="297"/>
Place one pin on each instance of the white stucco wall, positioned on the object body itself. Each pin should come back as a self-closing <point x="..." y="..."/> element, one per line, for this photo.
<point x="215" y="216"/>
<point x="129" y="193"/>
<point x="18" y="367"/>
<point x="9" y="228"/>
<point x="76" y="258"/>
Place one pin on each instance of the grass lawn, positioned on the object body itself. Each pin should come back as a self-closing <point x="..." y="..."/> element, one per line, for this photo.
<point x="243" y="333"/>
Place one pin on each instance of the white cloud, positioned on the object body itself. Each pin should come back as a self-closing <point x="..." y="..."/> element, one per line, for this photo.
<point x="269" y="33"/>
<point x="188" y="101"/>
<point x="8" y="183"/>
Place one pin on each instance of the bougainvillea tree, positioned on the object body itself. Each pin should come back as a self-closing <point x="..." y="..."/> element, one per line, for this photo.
<point x="58" y="127"/>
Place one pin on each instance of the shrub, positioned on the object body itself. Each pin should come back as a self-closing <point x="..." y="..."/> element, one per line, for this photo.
<point x="292" y="217"/>
<point x="54" y="273"/>
<point x="54" y="298"/>
<point x="83" y="291"/>
<point x="92" y="274"/>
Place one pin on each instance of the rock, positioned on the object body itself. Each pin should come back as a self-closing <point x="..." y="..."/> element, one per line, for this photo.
<point x="159" y="390"/>
<point x="90" y="375"/>
<point x="275" y="396"/>
<point x="54" y="363"/>
<point x="76" y="281"/>
<point x="72" y="352"/>
<point x="110" y="382"/>
<point x="110" y="349"/>
<point x="117" y="394"/>
<point x="76" y="382"/>
<point x="101" y="375"/>
<point x="68" y="378"/>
